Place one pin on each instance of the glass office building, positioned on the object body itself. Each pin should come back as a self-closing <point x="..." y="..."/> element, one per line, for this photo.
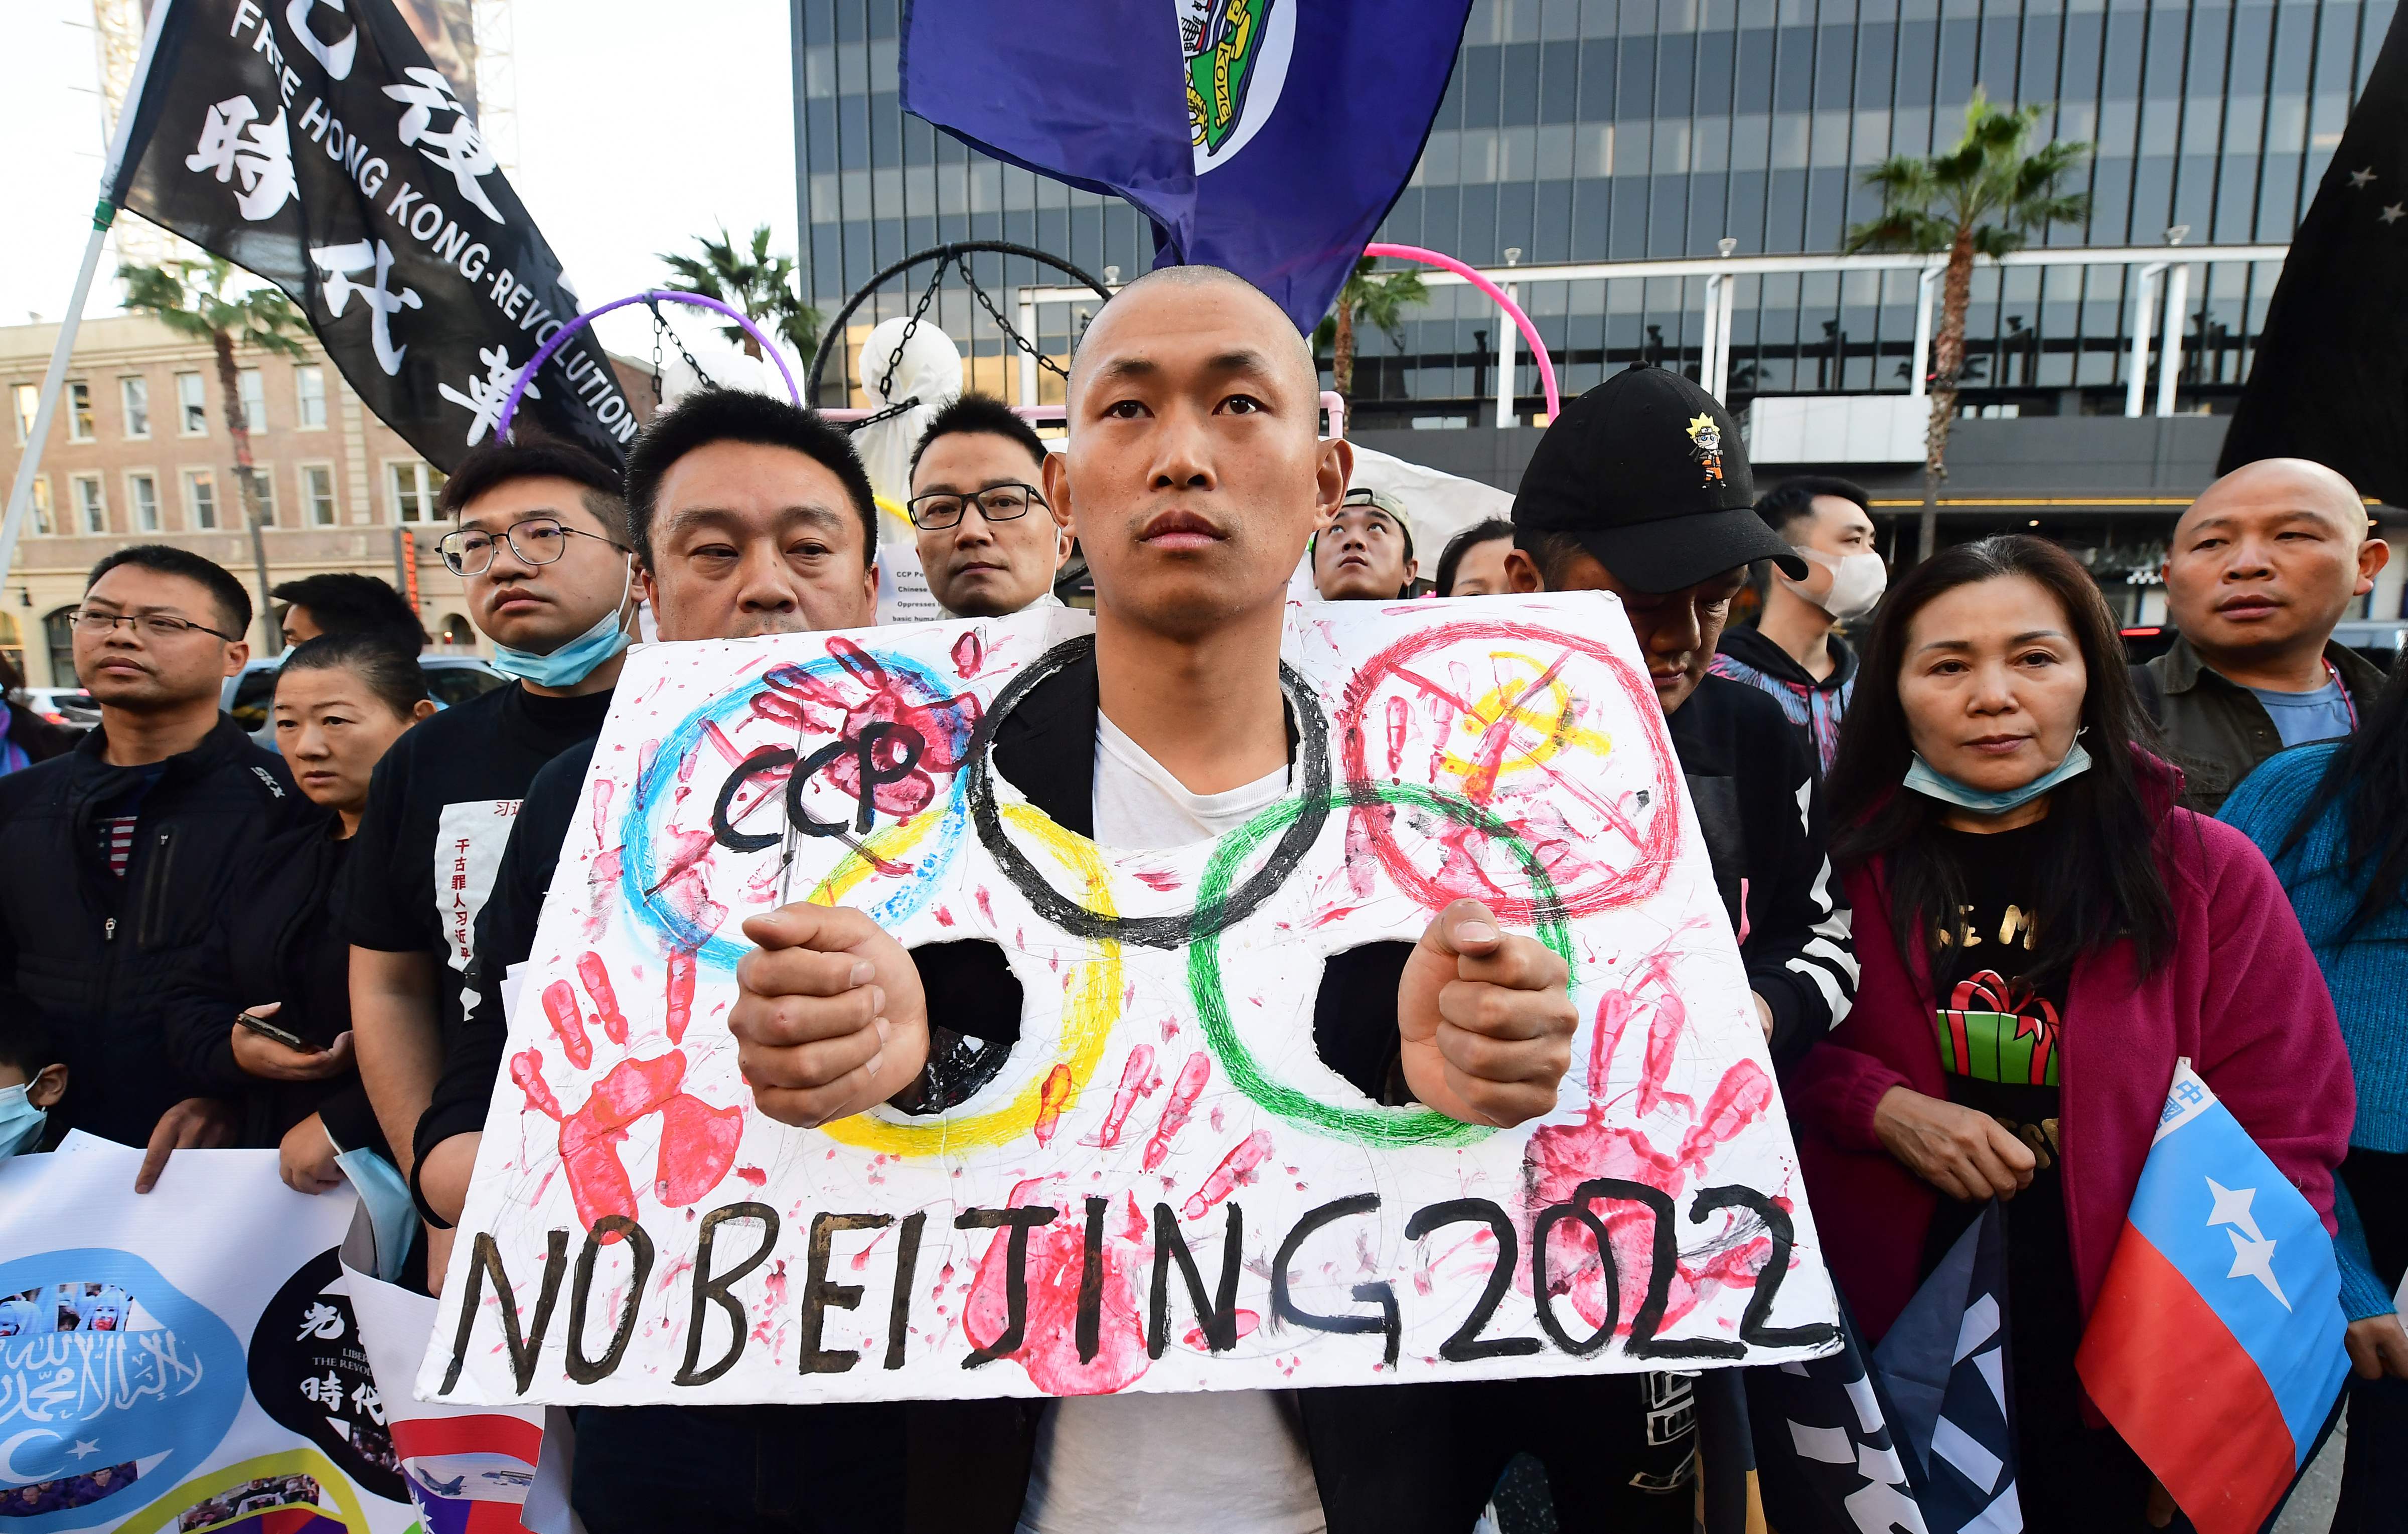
<point x="1580" y="132"/>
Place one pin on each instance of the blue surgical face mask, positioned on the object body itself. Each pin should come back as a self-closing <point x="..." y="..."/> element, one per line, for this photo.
<point x="21" y="1122"/>
<point x="573" y="662"/>
<point x="1924" y="779"/>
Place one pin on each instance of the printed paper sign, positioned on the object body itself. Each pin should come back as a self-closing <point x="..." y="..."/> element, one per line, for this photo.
<point x="184" y="1360"/>
<point x="1162" y="1185"/>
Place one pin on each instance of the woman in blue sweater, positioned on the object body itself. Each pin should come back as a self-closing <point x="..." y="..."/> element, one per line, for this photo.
<point x="2333" y="820"/>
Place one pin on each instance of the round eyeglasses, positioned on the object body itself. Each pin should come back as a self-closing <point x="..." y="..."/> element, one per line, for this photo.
<point x="537" y="540"/>
<point x="941" y="509"/>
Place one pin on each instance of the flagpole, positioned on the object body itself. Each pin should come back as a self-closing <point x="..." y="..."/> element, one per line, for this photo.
<point x="20" y="495"/>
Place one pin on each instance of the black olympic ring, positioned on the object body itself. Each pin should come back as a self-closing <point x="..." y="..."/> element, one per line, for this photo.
<point x="1169" y="932"/>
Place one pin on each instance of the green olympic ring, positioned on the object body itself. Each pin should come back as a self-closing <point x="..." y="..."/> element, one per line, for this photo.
<point x="1391" y="1127"/>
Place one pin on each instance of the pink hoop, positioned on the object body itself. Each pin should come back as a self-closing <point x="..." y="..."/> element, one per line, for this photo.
<point x="1530" y="331"/>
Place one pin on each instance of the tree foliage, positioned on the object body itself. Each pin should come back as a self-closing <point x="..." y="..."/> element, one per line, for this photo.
<point x="1372" y="298"/>
<point x="762" y="286"/>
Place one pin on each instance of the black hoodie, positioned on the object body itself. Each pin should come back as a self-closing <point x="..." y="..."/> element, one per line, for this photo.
<point x="1814" y="707"/>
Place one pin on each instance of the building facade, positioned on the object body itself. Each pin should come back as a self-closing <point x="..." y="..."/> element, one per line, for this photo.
<point x="1671" y="181"/>
<point x="138" y="453"/>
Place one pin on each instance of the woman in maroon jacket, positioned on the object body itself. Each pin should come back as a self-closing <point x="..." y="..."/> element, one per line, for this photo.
<point x="2043" y="933"/>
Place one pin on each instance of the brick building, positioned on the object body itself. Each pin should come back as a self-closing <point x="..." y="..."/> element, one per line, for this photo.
<point x="138" y="453"/>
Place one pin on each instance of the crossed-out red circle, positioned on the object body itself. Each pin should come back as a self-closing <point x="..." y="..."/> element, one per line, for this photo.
<point x="1657" y="844"/>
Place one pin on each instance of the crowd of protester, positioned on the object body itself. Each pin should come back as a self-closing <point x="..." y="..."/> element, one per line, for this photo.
<point x="1950" y="796"/>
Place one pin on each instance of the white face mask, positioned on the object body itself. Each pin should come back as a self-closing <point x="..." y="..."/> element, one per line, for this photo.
<point x="1857" y="583"/>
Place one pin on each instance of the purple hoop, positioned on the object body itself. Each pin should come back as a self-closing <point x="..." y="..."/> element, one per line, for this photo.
<point x="560" y="338"/>
<point x="1530" y="331"/>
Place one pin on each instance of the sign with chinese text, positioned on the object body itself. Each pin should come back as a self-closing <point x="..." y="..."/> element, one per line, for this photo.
<point x="185" y="1359"/>
<point x="315" y="144"/>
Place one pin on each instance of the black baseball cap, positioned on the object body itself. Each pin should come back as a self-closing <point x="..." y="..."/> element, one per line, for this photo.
<point x="1647" y="472"/>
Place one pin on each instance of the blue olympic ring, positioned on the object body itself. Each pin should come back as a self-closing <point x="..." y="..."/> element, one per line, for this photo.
<point x="674" y="929"/>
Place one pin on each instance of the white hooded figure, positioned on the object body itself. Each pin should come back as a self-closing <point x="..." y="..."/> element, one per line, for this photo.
<point x="930" y="372"/>
<point x="107" y="1311"/>
<point x="20" y="1317"/>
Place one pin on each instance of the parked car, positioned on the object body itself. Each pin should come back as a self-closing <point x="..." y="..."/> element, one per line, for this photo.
<point x="69" y="708"/>
<point x="2379" y="640"/>
<point x="449" y="679"/>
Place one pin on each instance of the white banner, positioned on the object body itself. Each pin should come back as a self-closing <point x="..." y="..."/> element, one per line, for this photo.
<point x="1163" y="1187"/>
<point x="184" y="1360"/>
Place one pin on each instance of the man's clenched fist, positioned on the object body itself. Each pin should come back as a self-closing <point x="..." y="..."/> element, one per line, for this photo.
<point x="1485" y="1019"/>
<point x="829" y="1019"/>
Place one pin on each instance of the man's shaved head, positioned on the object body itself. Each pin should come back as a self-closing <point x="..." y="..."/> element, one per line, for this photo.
<point x="2301" y="484"/>
<point x="1299" y="349"/>
<point x="2263" y="565"/>
<point x="1194" y="469"/>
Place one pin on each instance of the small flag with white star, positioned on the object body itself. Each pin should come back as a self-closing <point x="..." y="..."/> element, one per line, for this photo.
<point x="2327" y="382"/>
<point x="2215" y="1343"/>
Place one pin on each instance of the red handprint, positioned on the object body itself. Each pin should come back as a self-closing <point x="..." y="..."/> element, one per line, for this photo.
<point x="698" y="1141"/>
<point x="1561" y="1157"/>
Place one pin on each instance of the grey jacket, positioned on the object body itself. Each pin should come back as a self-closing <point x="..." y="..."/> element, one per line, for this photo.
<point x="2216" y="730"/>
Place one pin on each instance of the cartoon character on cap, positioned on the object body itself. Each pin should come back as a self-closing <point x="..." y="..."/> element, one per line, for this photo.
<point x="1365" y="553"/>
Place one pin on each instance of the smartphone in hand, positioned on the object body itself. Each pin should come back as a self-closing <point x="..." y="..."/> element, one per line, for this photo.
<point x="265" y="1029"/>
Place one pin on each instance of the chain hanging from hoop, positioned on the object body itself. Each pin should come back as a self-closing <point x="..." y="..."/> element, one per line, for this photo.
<point x="661" y="327"/>
<point x="911" y="325"/>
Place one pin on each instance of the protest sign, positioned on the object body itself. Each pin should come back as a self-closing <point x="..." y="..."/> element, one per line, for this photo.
<point x="1161" y="1187"/>
<point x="185" y="1359"/>
<point x="469" y="1471"/>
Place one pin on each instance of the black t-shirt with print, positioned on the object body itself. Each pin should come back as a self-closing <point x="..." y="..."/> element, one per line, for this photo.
<point x="438" y="814"/>
<point x="2001" y="1041"/>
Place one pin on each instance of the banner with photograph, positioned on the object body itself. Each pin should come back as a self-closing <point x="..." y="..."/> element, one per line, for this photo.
<point x="186" y="1360"/>
<point x="317" y="145"/>
<point x="1163" y="1185"/>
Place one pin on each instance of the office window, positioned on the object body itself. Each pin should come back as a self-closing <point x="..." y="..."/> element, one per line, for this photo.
<point x="136" y="393"/>
<point x="91" y="504"/>
<point x="79" y="412"/>
<point x="318" y="491"/>
<point x="200" y="498"/>
<point x="42" y="503"/>
<point x="308" y="396"/>
<point x="193" y="417"/>
<point x="414" y="487"/>
<point x="143" y="491"/>
<point x="254" y="398"/>
<point x="27" y="399"/>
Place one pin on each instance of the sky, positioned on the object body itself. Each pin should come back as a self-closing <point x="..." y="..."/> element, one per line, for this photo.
<point x="635" y="136"/>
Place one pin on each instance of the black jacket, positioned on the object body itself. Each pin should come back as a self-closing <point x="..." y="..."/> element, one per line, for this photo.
<point x="2216" y="730"/>
<point x="273" y="940"/>
<point x="1388" y="1460"/>
<point x="1760" y="803"/>
<point x="95" y="957"/>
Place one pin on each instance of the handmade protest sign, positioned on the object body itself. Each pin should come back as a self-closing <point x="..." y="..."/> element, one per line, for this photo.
<point x="1161" y="1185"/>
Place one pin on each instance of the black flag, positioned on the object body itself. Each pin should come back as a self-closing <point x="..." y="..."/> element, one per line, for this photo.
<point x="314" y="143"/>
<point x="2330" y="382"/>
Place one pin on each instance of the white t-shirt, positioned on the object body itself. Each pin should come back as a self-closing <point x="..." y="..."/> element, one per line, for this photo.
<point x="1229" y="1461"/>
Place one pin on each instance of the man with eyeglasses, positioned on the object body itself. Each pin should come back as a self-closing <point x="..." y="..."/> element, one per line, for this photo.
<point x="1366" y="551"/>
<point x="987" y="540"/>
<point x="117" y="852"/>
<point x="541" y="544"/>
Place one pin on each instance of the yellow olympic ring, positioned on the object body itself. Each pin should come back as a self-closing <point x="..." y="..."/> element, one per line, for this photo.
<point x="1501" y="703"/>
<point x="1087" y="1019"/>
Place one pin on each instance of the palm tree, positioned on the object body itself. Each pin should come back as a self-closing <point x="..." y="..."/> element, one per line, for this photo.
<point x="753" y="281"/>
<point x="1376" y="301"/>
<point x="1984" y="197"/>
<point x="200" y="299"/>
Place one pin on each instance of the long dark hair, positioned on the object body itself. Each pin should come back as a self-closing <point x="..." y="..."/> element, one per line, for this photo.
<point x="2097" y="858"/>
<point x="2368" y="780"/>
